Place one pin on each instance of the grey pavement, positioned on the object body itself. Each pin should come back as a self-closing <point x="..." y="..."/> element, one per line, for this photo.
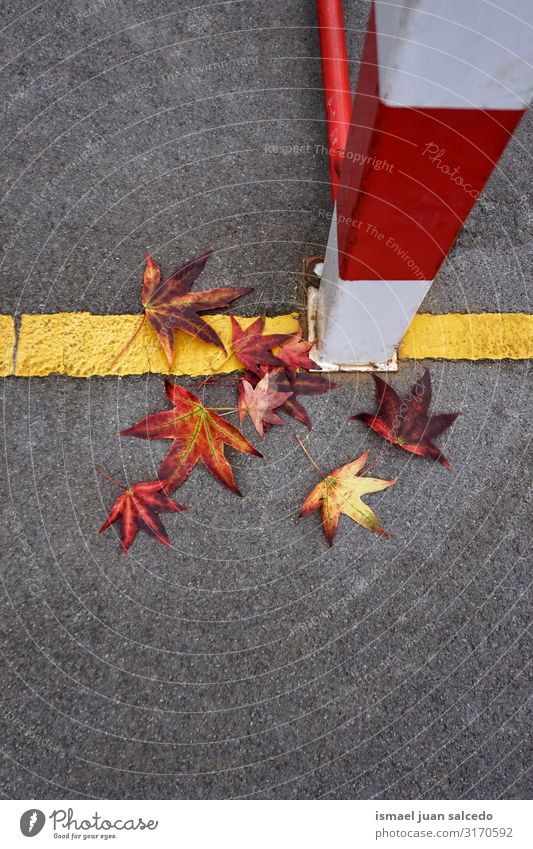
<point x="250" y="660"/>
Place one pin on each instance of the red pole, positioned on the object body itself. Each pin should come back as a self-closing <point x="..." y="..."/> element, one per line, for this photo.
<point x="414" y="170"/>
<point x="335" y="72"/>
<point x="436" y="102"/>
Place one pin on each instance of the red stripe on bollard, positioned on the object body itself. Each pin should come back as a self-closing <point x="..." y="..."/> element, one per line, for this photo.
<point x="410" y="178"/>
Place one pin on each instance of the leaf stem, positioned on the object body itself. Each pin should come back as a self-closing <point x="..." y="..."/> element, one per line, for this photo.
<point x="98" y="469"/>
<point x="304" y="449"/>
<point x="127" y="345"/>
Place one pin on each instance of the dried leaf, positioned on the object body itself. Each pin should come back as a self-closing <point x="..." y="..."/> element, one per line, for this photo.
<point x="199" y="435"/>
<point x="253" y="347"/>
<point x="293" y="353"/>
<point x="170" y="305"/>
<point x="298" y="383"/>
<point x="340" y="492"/>
<point x="136" y="510"/>
<point x="259" y="402"/>
<point x="406" y="422"/>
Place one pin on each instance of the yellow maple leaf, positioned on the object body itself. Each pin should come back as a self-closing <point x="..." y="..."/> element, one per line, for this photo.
<point x="340" y="492"/>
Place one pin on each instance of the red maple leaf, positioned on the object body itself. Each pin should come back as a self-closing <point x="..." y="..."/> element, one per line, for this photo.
<point x="199" y="435"/>
<point x="170" y="305"/>
<point x="294" y="353"/>
<point x="253" y="347"/>
<point x="137" y="508"/>
<point x="260" y="402"/>
<point x="406" y="422"/>
<point x="298" y="383"/>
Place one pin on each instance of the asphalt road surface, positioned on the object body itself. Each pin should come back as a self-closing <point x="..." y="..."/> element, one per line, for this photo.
<point x="251" y="660"/>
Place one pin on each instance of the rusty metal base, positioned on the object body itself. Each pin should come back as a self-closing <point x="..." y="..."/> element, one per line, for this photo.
<point x="312" y="336"/>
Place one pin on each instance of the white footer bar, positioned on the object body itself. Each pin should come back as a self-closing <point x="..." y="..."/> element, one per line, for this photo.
<point x="265" y="824"/>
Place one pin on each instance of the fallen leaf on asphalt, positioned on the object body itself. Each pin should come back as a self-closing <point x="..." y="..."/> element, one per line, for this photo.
<point x="260" y="402"/>
<point x="137" y="508"/>
<point x="341" y="492"/>
<point x="199" y="435"/>
<point x="406" y="422"/>
<point x="294" y="353"/>
<point x="170" y="305"/>
<point x="298" y="383"/>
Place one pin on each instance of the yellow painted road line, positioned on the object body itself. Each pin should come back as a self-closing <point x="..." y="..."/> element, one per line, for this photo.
<point x="472" y="336"/>
<point x="84" y="345"/>
<point x="7" y="344"/>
